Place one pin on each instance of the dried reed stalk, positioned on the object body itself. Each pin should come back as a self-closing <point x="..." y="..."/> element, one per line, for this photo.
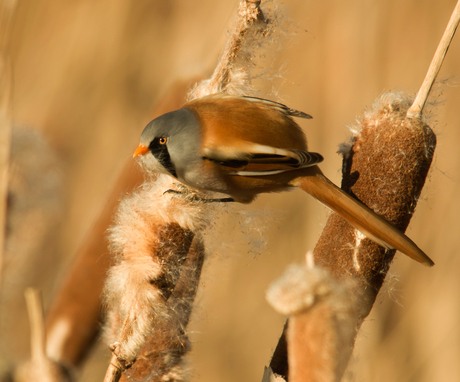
<point x="415" y="111"/>
<point x="7" y="10"/>
<point x="114" y="371"/>
<point x="40" y="368"/>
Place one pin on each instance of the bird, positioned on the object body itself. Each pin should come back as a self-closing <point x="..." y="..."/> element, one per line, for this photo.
<point x="243" y="146"/>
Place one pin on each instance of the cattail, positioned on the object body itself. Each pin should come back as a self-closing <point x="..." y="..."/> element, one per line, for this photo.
<point x="385" y="167"/>
<point x="231" y="75"/>
<point x="154" y="235"/>
<point x="258" y="30"/>
<point x="321" y="324"/>
<point x="162" y="355"/>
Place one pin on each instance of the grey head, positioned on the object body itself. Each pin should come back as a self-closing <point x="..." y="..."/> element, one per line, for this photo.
<point x="174" y="142"/>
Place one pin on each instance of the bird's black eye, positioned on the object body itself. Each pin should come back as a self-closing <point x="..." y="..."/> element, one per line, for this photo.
<point x="162" y="140"/>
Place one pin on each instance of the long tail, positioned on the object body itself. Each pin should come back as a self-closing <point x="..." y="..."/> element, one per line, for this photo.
<point x="361" y="217"/>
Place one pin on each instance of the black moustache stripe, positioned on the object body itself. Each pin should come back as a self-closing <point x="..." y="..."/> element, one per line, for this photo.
<point x="161" y="153"/>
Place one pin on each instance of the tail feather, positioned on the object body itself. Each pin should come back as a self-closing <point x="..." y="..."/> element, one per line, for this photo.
<point x="361" y="217"/>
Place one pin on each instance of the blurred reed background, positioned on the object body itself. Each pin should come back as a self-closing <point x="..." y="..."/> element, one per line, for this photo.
<point x="87" y="76"/>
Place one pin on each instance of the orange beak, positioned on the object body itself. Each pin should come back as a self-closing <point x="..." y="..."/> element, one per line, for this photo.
<point x="141" y="150"/>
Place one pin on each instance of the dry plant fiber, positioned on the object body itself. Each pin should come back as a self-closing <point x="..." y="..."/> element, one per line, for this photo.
<point x="151" y="239"/>
<point x="162" y="356"/>
<point x="385" y="167"/>
<point x="231" y="75"/>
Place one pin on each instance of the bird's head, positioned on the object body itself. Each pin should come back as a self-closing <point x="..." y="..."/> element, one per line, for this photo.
<point x="170" y="142"/>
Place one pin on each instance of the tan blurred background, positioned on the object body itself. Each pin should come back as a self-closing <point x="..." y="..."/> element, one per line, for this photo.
<point x="88" y="74"/>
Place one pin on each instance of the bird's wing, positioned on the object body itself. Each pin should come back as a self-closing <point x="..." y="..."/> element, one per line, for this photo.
<point x="261" y="101"/>
<point x="279" y="106"/>
<point x="259" y="160"/>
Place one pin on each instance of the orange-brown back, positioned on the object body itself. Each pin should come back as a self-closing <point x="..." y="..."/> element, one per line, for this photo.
<point x="236" y="121"/>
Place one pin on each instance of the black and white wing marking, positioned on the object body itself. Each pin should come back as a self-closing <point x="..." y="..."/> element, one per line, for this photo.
<point x="265" y="160"/>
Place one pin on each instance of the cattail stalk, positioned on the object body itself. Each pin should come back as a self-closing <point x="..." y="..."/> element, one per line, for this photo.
<point x="229" y="77"/>
<point x="415" y="111"/>
<point x="114" y="371"/>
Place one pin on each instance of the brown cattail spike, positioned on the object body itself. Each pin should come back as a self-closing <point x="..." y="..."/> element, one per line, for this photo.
<point x="321" y="322"/>
<point x="150" y="290"/>
<point x="384" y="167"/>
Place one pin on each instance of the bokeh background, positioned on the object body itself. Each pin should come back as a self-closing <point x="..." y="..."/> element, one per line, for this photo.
<point x="87" y="76"/>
